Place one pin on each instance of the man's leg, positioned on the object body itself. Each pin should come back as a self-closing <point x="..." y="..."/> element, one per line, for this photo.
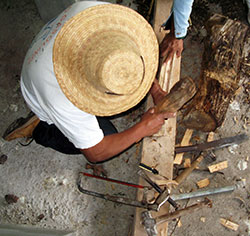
<point x="50" y="136"/>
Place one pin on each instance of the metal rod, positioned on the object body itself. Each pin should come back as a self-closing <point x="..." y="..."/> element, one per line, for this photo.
<point x="201" y="193"/>
<point x="113" y="180"/>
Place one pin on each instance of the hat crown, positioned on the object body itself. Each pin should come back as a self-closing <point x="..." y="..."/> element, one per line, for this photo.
<point x="113" y="63"/>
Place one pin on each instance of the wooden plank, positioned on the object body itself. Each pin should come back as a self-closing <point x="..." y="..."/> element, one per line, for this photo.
<point x="158" y="151"/>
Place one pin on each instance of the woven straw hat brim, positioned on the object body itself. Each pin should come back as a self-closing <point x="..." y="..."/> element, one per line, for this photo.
<point x="68" y="57"/>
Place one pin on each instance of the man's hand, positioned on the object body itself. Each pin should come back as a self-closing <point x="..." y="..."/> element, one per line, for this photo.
<point x="169" y="46"/>
<point x="157" y="92"/>
<point x="152" y="122"/>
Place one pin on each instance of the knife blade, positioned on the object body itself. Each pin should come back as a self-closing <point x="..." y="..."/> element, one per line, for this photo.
<point x="216" y="144"/>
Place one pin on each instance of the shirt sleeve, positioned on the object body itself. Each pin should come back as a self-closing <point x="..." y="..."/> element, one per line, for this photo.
<point x="81" y="128"/>
<point x="181" y="13"/>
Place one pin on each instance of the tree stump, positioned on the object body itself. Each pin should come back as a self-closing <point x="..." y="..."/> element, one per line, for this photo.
<point x="225" y="55"/>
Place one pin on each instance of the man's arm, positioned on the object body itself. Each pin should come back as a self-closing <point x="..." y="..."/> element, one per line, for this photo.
<point x="113" y="144"/>
<point x="173" y="42"/>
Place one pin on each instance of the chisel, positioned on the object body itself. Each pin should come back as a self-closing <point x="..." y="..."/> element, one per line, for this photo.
<point x="148" y="168"/>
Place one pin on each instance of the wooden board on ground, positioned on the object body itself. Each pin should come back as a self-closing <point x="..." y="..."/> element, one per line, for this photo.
<point x="158" y="151"/>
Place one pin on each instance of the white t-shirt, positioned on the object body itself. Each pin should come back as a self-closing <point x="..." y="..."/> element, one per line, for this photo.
<point x="42" y="92"/>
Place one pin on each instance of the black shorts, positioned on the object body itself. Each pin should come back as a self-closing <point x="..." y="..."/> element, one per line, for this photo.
<point x="50" y="136"/>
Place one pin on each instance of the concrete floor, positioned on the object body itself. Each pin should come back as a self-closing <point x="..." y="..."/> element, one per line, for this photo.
<point x="45" y="180"/>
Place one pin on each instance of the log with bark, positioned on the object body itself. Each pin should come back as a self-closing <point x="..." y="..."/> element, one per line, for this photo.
<point x="225" y="54"/>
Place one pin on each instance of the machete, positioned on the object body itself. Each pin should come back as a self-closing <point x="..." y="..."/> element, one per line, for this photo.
<point x="217" y="144"/>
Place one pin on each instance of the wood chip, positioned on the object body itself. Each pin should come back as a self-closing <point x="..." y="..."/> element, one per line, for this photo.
<point x="185" y="141"/>
<point x="217" y="167"/>
<point x="113" y="187"/>
<point x="203" y="183"/>
<point x="203" y="219"/>
<point x="238" y="91"/>
<point x="210" y="137"/>
<point x="229" y="224"/>
<point x="179" y="224"/>
<point x="166" y="182"/>
<point x="187" y="162"/>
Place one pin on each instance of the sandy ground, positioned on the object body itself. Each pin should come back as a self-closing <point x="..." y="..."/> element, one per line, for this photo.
<point x="44" y="180"/>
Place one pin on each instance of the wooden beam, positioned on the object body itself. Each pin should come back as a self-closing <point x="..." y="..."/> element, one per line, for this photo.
<point x="158" y="151"/>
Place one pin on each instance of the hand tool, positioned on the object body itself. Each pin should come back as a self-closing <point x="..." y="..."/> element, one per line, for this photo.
<point x="163" y="193"/>
<point x="150" y="223"/>
<point x="154" y="206"/>
<point x="113" y="180"/>
<point x="148" y="168"/>
<point x="152" y="170"/>
<point x="216" y="144"/>
<point x="167" y="181"/>
<point x="185" y="173"/>
<point x="225" y="142"/>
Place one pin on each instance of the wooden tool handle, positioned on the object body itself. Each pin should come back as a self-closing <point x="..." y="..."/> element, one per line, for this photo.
<point x="181" y="93"/>
<point x="183" y="212"/>
<point x="179" y="179"/>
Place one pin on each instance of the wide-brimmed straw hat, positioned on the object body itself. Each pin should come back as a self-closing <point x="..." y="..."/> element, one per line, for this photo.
<point x="105" y="59"/>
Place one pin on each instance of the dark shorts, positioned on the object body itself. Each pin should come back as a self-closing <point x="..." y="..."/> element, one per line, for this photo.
<point x="50" y="136"/>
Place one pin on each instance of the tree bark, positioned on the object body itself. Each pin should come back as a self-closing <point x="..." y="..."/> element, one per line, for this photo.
<point x="224" y="56"/>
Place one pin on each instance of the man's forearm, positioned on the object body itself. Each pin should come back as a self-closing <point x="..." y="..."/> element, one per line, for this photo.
<point x="113" y="144"/>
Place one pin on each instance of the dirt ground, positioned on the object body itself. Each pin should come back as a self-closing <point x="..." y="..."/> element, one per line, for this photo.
<point x="44" y="179"/>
